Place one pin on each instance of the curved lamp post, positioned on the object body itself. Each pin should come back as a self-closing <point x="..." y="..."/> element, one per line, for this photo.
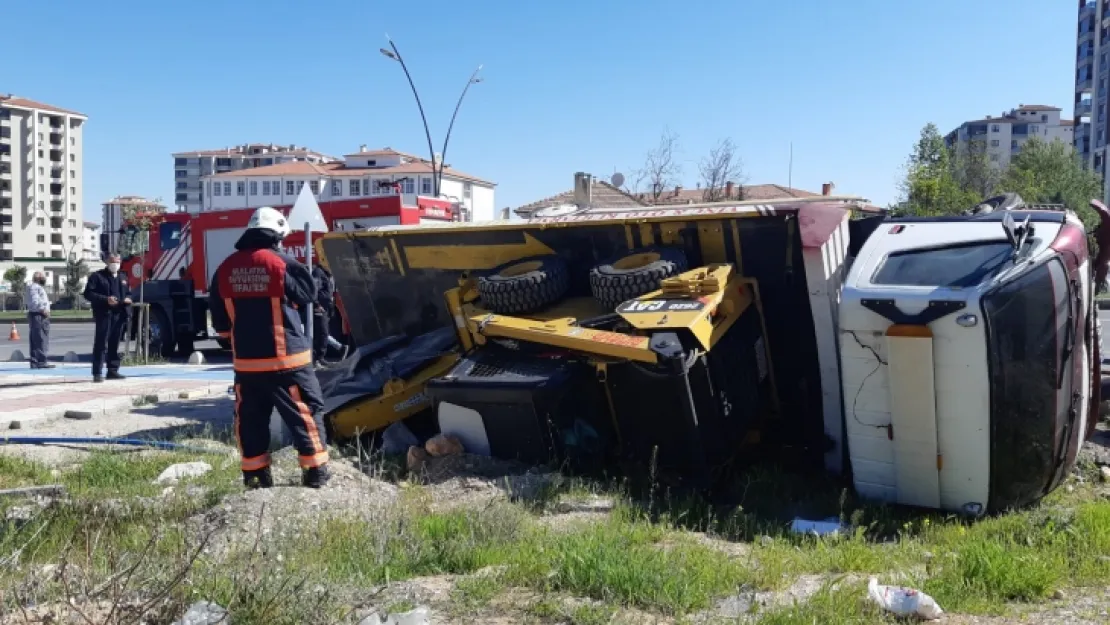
<point x="437" y="171"/>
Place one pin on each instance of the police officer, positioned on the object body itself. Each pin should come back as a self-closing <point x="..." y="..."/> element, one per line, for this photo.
<point x="321" y="312"/>
<point x="255" y="297"/>
<point x="110" y="296"/>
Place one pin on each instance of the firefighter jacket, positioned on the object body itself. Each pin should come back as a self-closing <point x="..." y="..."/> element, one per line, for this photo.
<point x="255" y="297"/>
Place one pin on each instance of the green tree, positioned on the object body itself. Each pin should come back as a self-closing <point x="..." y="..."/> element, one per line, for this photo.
<point x="973" y="171"/>
<point x="1050" y="171"/>
<point x="142" y="216"/>
<point x="16" y="276"/>
<point x="76" y="270"/>
<point x="930" y="186"/>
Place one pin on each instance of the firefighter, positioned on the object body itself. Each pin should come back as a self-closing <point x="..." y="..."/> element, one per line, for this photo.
<point x="255" y="297"/>
<point x="321" y="312"/>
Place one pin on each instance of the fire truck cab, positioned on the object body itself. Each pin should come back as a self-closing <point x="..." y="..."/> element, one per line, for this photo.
<point x="169" y="263"/>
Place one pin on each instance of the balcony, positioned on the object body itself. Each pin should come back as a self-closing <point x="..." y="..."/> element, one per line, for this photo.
<point x="5" y="157"/>
<point x="1084" y="86"/>
<point x="6" y="194"/>
<point x="1087" y="9"/>
<point x="6" y="172"/>
<point x="1083" y="108"/>
<point x="57" y="205"/>
<point x="56" y="155"/>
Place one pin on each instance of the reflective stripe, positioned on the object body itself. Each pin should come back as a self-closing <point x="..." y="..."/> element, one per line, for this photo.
<point x="309" y="422"/>
<point x="223" y="335"/>
<point x="308" y="462"/>
<point x="262" y="365"/>
<point x="279" y="326"/>
<point x="255" y="463"/>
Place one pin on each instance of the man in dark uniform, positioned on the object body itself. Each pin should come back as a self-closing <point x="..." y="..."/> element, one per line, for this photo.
<point x="256" y="297"/>
<point x="321" y="312"/>
<point x="110" y="296"/>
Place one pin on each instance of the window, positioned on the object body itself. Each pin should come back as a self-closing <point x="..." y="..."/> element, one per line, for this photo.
<point x="182" y="185"/>
<point x="254" y="187"/>
<point x="425" y="186"/>
<point x="410" y="185"/>
<point x="366" y="186"/>
<point x="1044" y="118"/>
<point x="40" y="154"/>
<point x="72" y="223"/>
<point x="355" y="188"/>
<point x="41" y="221"/>
<point x="72" y="239"/>
<point x="275" y="187"/>
<point x="73" y="208"/>
<point x="994" y="128"/>
<point x="994" y="158"/>
<point x="289" y="190"/>
<point x="181" y="173"/>
<point x="336" y="188"/>
<point x="315" y="186"/>
<point x="240" y="188"/>
<point x="73" y="173"/>
<point x="300" y="185"/>
<point x="216" y="189"/>
<point x="72" y="141"/>
<point x="1013" y="144"/>
<point x="72" y="158"/>
<point x="1034" y="129"/>
<point x="42" y="189"/>
<point x="371" y="163"/>
<point x="467" y="189"/>
<point x="169" y="234"/>
<point x="40" y="136"/>
<point x="73" y="190"/>
<point x="41" y="238"/>
<point x="265" y="187"/>
<point x="42" y="254"/>
<point x="954" y="266"/>
<point x="994" y="143"/>
<point x="227" y="188"/>
<point x="179" y="162"/>
<point x="41" y="205"/>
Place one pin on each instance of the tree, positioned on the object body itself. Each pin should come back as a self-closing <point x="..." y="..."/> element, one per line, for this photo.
<point x="973" y="171"/>
<point x="142" y="216"/>
<point x="661" y="167"/>
<point x="1051" y="172"/>
<point x="721" y="166"/>
<point x="16" y="276"/>
<point x="76" y="270"/>
<point x="930" y="186"/>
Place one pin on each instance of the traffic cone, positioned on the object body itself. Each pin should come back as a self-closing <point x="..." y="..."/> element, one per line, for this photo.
<point x="14" y="334"/>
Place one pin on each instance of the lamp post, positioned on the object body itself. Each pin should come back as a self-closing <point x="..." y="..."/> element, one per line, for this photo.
<point x="437" y="173"/>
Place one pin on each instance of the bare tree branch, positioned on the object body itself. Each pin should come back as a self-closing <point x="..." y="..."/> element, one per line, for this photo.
<point x="661" y="167"/>
<point x="719" y="168"/>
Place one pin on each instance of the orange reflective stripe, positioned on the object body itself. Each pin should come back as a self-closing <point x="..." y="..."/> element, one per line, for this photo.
<point x="263" y="365"/>
<point x="309" y="422"/>
<point x="256" y="463"/>
<point x="279" y="326"/>
<point x="238" y="403"/>
<point x="223" y="335"/>
<point x="308" y="462"/>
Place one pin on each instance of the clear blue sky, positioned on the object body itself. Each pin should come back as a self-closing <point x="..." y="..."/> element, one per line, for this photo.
<point x="569" y="85"/>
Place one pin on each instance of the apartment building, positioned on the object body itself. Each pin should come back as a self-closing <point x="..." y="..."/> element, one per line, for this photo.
<point x="41" y="180"/>
<point x="1092" y="65"/>
<point x="190" y="167"/>
<point x="365" y="173"/>
<point x="113" y="210"/>
<point x="1003" y="136"/>
<point x="91" y="241"/>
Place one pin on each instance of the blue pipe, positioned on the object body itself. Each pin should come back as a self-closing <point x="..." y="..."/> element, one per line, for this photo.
<point x="133" y="442"/>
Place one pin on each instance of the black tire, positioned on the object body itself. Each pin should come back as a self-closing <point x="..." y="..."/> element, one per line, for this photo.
<point x="161" y="333"/>
<point x="524" y="285"/>
<point x="185" y="346"/>
<point x="634" y="273"/>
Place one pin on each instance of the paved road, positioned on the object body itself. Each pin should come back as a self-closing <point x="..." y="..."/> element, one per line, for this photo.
<point x="78" y="337"/>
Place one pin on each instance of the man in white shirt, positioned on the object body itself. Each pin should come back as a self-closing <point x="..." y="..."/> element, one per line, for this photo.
<point x="38" y="321"/>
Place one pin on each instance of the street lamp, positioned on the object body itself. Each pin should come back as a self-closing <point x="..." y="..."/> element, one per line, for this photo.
<point x="437" y="174"/>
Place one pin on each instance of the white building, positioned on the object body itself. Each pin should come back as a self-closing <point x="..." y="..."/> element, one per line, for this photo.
<point x="190" y="167"/>
<point x="41" y="180"/>
<point x="91" y="242"/>
<point x="112" y="214"/>
<point x="1004" y="136"/>
<point x="363" y="174"/>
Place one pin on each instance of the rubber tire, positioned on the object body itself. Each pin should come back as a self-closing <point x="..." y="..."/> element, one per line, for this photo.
<point x="612" y="286"/>
<point x="165" y="347"/>
<point x="505" y="292"/>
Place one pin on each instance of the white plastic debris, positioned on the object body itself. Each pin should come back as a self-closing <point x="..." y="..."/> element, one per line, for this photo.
<point x="196" y="358"/>
<point x="203" y="613"/>
<point x="397" y="439"/>
<point x="904" y="601"/>
<point x="419" y="616"/>
<point x="829" y="527"/>
<point x="182" y="470"/>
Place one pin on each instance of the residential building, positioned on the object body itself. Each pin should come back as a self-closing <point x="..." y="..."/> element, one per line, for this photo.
<point x="1091" y="103"/>
<point x="113" y="210"/>
<point x="41" y="181"/>
<point x="190" y="167"/>
<point x="365" y="173"/>
<point x="1002" y="137"/>
<point x="91" y="242"/>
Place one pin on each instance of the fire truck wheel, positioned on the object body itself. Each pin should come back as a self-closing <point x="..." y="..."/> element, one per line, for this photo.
<point x="524" y="285"/>
<point x="634" y="273"/>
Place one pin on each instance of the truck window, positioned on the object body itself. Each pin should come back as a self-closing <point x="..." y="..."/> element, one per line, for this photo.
<point x="955" y="266"/>
<point x="132" y="242"/>
<point x="169" y="235"/>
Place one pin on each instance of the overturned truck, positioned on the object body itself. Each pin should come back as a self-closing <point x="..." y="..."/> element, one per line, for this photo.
<point x="681" y="339"/>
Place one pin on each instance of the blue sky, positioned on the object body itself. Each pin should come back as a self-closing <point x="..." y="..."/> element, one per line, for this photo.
<point x="569" y="85"/>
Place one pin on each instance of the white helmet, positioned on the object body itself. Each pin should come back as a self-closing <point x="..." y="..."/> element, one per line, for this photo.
<point x="269" y="218"/>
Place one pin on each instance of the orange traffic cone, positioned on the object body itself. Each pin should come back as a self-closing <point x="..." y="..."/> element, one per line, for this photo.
<point x="14" y="334"/>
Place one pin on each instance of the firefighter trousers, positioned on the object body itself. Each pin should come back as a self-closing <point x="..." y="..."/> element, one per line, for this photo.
<point x="296" y="396"/>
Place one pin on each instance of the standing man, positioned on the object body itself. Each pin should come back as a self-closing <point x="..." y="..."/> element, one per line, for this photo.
<point x="256" y="297"/>
<point x="38" y="321"/>
<point x="110" y="296"/>
<point x="321" y="312"/>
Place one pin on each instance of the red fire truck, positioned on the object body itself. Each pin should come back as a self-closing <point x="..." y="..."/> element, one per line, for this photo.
<point x="172" y="261"/>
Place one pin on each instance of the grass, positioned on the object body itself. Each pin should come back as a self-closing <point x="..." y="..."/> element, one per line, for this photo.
<point x="643" y="556"/>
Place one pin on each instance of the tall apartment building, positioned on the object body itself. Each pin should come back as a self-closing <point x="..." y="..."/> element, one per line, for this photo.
<point x="190" y="167"/>
<point x="1004" y="136"/>
<point x="1092" y="66"/>
<point x="41" y="179"/>
<point x="112" y="211"/>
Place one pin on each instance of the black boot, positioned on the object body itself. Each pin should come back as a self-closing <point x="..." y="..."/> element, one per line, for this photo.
<point x="316" y="477"/>
<point x="116" y="375"/>
<point x="260" y="478"/>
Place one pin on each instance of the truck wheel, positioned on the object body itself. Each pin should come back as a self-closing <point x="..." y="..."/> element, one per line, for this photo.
<point x="635" y="273"/>
<point x="525" y="285"/>
<point x="185" y="346"/>
<point x="161" y="333"/>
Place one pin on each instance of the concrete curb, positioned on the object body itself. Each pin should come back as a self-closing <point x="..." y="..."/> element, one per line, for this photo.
<point x="102" y="407"/>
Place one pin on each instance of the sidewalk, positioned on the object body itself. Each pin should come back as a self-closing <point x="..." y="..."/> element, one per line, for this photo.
<point x="28" y="395"/>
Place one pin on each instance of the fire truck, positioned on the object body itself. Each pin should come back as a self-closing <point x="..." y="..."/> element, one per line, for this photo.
<point x="170" y="263"/>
